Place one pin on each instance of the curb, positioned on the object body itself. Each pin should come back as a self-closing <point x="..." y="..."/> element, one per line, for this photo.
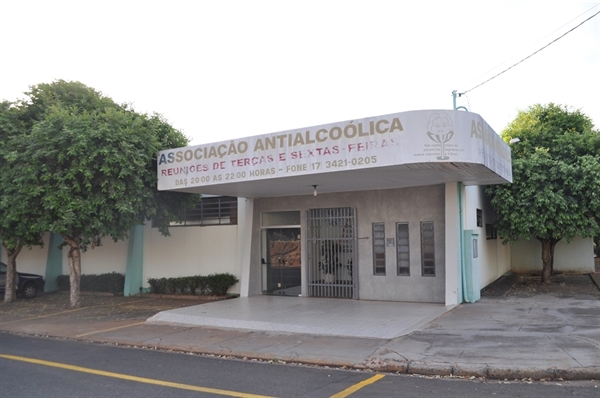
<point x="195" y="297"/>
<point x="379" y="365"/>
<point x="487" y="371"/>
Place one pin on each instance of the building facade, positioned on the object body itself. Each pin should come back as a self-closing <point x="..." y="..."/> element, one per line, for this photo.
<point x="383" y="208"/>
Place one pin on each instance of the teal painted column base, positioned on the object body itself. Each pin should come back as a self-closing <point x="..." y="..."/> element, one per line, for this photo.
<point x="134" y="274"/>
<point x="54" y="263"/>
<point x="472" y="277"/>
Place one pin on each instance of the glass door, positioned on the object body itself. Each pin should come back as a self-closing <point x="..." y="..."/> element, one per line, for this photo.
<point x="281" y="265"/>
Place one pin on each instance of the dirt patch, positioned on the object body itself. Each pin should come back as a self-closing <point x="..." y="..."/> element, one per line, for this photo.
<point x="95" y="307"/>
<point x="102" y="307"/>
<point x="561" y="285"/>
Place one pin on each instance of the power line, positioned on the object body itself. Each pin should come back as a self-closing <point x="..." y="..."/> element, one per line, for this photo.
<point x="534" y="44"/>
<point x="531" y="55"/>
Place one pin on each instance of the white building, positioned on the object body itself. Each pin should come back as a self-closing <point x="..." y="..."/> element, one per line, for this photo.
<point x="381" y="208"/>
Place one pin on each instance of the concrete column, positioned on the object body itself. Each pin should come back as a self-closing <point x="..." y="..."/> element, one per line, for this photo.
<point x="54" y="262"/>
<point x="134" y="273"/>
<point x="244" y="238"/>
<point x="453" y="279"/>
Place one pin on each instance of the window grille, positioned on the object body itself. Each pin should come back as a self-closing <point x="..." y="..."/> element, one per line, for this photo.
<point x="490" y="232"/>
<point x="402" y="249"/>
<point x="378" y="248"/>
<point x="218" y="210"/>
<point x="427" y="249"/>
<point x="331" y="229"/>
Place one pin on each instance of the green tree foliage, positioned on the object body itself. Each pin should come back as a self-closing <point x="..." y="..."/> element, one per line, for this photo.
<point x="19" y="212"/>
<point x="91" y="164"/>
<point x="555" y="192"/>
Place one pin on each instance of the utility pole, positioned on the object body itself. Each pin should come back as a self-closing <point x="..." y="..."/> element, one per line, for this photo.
<point x="454" y="101"/>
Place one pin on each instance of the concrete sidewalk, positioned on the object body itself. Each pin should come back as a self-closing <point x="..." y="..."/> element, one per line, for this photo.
<point x="308" y="315"/>
<point x="539" y="337"/>
<point x="543" y="337"/>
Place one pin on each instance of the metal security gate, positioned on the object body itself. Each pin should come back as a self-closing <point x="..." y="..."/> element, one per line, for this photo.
<point x="331" y="252"/>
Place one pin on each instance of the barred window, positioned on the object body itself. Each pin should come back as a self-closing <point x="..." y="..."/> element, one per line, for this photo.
<point x="490" y="232"/>
<point x="378" y="248"/>
<point x="402" y="249"/>
<point x="218" y="210"/>
<point x="427" y="249"/>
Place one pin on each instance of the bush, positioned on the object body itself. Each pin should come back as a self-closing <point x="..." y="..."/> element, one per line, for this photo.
<point x="63" y="282"/>
<point x="219" y="283"/>
<point x="213" y="284"/>
<point x="201" y="283"/>
<point x="112" y="282"/>
<point x="158" y="285"/>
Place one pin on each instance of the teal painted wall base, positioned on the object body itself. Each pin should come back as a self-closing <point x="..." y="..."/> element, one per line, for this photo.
<point x="134" y="274"/>
<point x="472" y="277"/>
<point x="54" y="264"/>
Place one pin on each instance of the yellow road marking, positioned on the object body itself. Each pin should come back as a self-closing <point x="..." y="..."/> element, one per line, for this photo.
<point x="108" y="330"/>
<point x="134" y="378"/>
<point x="357" y="386"/>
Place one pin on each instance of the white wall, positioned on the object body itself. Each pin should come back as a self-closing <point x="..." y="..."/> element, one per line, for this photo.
<point x="577" y="256"/>
<point x="191" y="251"/>
<point x="525" y="256"/>
<point x="494" y="256"/>
<point x="31" y="260"/>
<point x="110" y="257"/>
<point x="188" y="251"/>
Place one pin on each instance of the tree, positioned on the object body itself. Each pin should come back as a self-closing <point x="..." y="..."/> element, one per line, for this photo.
<point x="92" y="164"/>
<point x="555" y="193"/>
<point x="19" y="214"/>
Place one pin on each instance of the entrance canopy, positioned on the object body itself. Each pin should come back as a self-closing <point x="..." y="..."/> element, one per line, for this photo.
<point x="383" y="152"/>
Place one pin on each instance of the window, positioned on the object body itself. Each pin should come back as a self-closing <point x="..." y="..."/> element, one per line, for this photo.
<point x="274" y="218"/>
<point x="427" y="249"/>
<point x="402" y="249"/>
<point x="218" y="210"/>
<point x="490" y="232"/>
<point x="479" y="218"/>
<point x="378" y="248"/>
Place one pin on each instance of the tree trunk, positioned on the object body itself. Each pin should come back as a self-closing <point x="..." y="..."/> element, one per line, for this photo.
<point x="547" y="258"/>
<point x="10" y="290"/>
<point x="74" y="270"/>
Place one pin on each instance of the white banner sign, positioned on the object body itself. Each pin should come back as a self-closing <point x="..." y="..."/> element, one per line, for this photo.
<point x="396" y="139"/>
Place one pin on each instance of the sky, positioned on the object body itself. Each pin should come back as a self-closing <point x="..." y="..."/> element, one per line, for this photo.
<point x="220" y="70"/>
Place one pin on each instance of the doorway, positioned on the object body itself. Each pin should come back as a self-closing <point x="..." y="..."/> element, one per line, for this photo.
<point x="331" y="249"/>
<point x="281" y="262"/>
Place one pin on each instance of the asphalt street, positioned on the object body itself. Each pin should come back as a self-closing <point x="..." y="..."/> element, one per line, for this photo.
<point x="42" y="367"/>
<point x="520" y="329"/>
